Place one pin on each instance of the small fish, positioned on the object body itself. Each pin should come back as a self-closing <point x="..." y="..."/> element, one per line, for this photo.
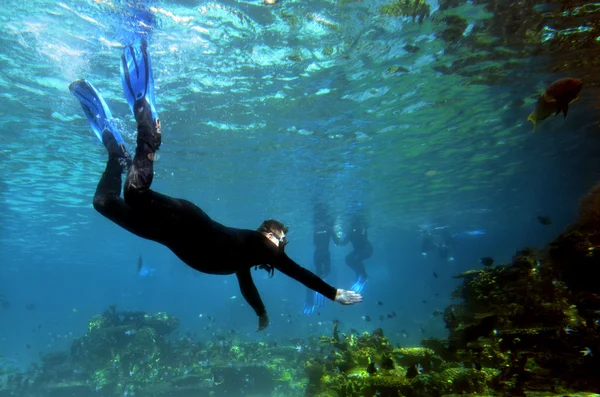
<point x="487" y="261"/>
<point x="379" y="303"/>
<point x="555" y="99"/>
<point x="586" y="352"/>
<point x="391" y="315"/>
<point x="419" y="368"/>
<point x="30" y="307"/>
<point x="28" y="346"/>
<point x="366" y="318"/>
<point x="381" y="318"/>
<point x="404" y="334"/>
<point x="544" y="220"/>
<point x="233" y="297"/>
<point x="435" y="275"/>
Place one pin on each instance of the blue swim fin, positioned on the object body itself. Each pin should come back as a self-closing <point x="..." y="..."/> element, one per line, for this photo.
<point x="136" y="76"/>
<point x="359" y="285"/>
<point x="98" y="114"/>
<point x="319" y="299"/>
<point x="308" y="308"/>
<point x="309" y="302"/>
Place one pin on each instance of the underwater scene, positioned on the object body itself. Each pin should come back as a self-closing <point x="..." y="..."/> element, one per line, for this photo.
<point x="328" y="198"/>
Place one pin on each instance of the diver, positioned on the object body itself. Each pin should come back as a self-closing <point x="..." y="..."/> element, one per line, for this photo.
<point x="362" y="249"/>
<point x="322" y="235"/>
<point x="437" y="239"/>
<point x="427" y="244"/>
<point x="202" y="243"/>
<point x="445" y="246"/>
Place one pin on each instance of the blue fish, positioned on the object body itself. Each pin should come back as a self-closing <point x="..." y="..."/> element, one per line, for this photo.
<point x="466" y="233"/>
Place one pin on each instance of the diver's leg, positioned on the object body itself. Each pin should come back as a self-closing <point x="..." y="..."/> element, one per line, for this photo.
<point x="108" y="202"/>
<point x="355" y="263"/>
<point x="326" y="267"/>
<point x="107" y="199"/>
<point x="351" y="260"/>
<point x="141" y="173"/>
<point x="360" y="270"/>
<point x="322" y="265"/>
<point x="139" y="179"/>
<point x="138" y="87"/>
<point x="312" y="297"/>
<point x="317" y="260"/>
<point x="100" y="118"/>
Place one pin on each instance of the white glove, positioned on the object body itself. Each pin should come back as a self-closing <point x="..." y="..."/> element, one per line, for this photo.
<point x="346" y="297"/>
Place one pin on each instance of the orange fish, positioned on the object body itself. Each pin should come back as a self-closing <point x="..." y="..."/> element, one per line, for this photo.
<point x="557" y="97"/>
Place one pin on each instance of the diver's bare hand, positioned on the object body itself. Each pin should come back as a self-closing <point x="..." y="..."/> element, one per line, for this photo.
<point x="263" y="321"/>
<point x="346" y="297"/>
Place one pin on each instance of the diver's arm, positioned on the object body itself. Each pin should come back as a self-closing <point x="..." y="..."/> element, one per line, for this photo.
<point x="250" y="293"/>
<point x="285" y="265"/>
<point x="336" y="239"/>
<point x="344" y="241"/>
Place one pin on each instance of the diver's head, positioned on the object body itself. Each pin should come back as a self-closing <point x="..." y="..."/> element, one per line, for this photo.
<point x="274" y="231"/>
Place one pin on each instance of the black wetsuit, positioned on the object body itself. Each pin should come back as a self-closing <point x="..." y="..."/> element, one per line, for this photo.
<point x="189" y="232"/>
<point x="362" y="250"/>
<point x="322" y="257"/>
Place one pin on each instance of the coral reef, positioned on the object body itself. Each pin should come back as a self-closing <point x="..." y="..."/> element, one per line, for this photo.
<point x="128" y="353"/>
<point x="536" y="321"/>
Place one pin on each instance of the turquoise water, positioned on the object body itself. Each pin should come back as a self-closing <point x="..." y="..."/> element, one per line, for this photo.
<point x="266" y="110"/>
